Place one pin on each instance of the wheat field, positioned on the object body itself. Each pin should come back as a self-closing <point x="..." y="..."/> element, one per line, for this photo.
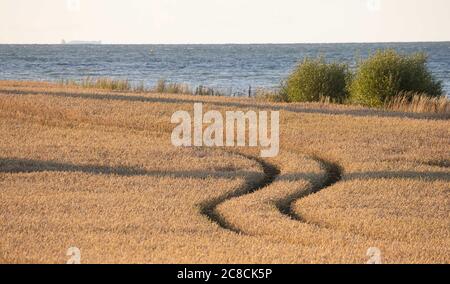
<point x="96" y="169"/>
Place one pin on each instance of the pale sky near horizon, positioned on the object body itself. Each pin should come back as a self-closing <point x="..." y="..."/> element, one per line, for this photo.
<point x="224" y="21"/>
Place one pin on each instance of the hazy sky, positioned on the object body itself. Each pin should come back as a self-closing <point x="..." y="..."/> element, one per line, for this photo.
<point x="224" y="21"/>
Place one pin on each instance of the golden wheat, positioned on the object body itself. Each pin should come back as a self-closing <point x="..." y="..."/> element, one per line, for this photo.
<point x="95" y="169"/>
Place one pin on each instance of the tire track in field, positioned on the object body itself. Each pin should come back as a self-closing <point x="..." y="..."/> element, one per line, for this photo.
<point x="333" y="174"/>
<point x="209" y="208"/>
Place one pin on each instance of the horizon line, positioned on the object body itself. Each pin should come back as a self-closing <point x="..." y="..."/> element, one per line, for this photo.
<point x="235" y="43"/>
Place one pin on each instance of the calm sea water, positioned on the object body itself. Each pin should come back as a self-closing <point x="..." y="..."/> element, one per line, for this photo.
<point x="227" y="67"/>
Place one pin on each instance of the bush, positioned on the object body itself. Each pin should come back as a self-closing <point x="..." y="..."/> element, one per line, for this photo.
<point x="314" y="79"/>
<point x="386" y="74"/>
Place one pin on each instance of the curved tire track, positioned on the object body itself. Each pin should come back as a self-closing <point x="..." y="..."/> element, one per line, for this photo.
<point x="209" y="208"/>
<point x="333" y="174"/>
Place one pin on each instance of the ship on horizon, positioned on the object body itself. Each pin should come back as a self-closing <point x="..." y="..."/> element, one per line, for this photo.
<point x="80" y="42"/>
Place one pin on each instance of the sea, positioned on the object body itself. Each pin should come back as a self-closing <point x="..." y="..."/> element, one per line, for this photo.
<point x="231" y="68"/>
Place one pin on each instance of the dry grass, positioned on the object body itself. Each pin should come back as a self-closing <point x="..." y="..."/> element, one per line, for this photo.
<point x="162" y="86"/>
<point x="101" y="83"/>
<point x="94" y="169"/>
<point x="420" y="103"/>
<point x="272" y="96"/>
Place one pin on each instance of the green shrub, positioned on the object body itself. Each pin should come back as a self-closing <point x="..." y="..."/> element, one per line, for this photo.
<point x="386" y="74"/>
<point x="315" y="79"/>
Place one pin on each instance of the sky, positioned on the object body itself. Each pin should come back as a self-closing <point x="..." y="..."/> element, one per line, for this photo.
<point x="224" y="21"/>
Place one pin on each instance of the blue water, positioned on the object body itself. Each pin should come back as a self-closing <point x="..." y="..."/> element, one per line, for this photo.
<point x="228" y="67"/>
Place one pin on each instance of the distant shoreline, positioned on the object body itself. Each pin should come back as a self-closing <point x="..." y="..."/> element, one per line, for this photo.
<point x="231" y="43"/>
